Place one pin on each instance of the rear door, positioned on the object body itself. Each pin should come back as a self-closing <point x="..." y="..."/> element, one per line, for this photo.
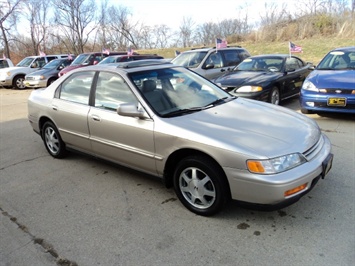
<point x="70" y="109"/>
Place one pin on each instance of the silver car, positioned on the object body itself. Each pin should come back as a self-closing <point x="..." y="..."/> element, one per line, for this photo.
<point x="47" y="74"/>
<point x="167" y="121"/>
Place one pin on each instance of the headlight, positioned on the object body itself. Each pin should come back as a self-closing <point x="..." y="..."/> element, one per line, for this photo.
<point x="309" y="86"/>
<point x="275" y="165"/>
<point x="249" y="89"/>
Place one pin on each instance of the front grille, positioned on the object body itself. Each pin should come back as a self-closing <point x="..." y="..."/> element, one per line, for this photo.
<point x="314" y="150"/>
<point x="29" y="78"/>
<point x="339" y="91"/>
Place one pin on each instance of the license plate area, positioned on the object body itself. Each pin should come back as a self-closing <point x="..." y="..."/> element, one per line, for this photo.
<point x="336" y="101"/>
<point x="327" y="165"/>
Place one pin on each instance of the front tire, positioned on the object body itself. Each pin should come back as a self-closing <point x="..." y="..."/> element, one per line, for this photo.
<point x="200" y="185"/>
<point x="274" y="96"/>
<point x="18" y="83"/>
<point x="52" y="140"/>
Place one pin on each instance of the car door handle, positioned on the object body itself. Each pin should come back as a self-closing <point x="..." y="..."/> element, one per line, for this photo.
<point x="96" y="118"/>
<point x="55" y="108"/>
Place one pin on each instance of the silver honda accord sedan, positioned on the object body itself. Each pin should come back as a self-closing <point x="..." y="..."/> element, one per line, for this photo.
<point x="168" y="121"/>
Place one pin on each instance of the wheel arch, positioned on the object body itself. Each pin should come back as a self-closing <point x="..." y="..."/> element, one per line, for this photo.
<point x="41" y="122"/>
<point x="178" y="155"/>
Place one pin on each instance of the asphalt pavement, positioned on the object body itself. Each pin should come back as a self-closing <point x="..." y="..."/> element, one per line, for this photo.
<point x="84" y="211"/>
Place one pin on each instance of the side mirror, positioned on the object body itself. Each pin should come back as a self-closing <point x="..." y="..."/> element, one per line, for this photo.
<point x="209" y="66"/>
<point x="95" y="62"/>
<point x="130" y="109"/>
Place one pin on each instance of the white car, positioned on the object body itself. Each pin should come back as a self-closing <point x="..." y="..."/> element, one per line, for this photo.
<point x="5" y="62"/>
<point x="15" y="76"/>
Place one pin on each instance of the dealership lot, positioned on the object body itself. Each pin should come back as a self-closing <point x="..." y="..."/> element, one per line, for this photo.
<point x="87" y="211"/>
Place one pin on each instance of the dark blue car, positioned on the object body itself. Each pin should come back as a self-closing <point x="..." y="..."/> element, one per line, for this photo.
<point x="331" y="86"/>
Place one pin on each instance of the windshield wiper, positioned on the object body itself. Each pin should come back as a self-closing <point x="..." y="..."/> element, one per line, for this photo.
<point x="220" y="101"/>
<point x="183" y="111"/>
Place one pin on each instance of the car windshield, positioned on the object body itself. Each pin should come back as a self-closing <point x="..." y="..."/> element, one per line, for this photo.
<point x="273" y="64"/>
<point x="26" y="62"/>
<point x="178" y="91"/>
<point x="108" y="60"/>
<point x="82" y="59"/>
<point x="337" y="60"/>
<point x="190" y="59"/>
<point x="53" y="64"/>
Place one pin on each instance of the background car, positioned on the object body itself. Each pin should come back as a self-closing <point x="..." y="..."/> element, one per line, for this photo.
<point x="211" y="62"/>
<point x="128" y="58"/>
<point x="15" y="76"/>
<point x="270" y="77"/>
<point x="331" y="86"/>
<point x="167" y="121"/>
<point x="5" y="62"/>
<point x="48" y="74"/>
<point x="87" y="59"/>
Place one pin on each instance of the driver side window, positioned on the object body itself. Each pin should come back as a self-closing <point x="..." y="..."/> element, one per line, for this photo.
<point x="215" y="59"/>
<point x="111" y="91"/>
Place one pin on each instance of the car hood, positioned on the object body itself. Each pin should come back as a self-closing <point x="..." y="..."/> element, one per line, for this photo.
<point x="69" y="68"/>
<point x="337" y="79"/>
<point x="248" y="127"/>
<point x="15" y="68"/>
<point x="238" y="78"/>
<point x="41" y="72"/>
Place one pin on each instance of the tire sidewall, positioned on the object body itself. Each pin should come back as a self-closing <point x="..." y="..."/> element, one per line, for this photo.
<point x="218" y="179"/>
<point x="62" y="150"/>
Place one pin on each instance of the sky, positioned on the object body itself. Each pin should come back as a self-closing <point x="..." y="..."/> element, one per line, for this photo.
<point x="172" y="12"/>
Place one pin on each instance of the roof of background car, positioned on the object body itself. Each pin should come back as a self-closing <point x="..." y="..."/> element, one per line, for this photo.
<point x="206" y="49"/>
<point x="271" y="55"/>
<point x="347" y="48"/>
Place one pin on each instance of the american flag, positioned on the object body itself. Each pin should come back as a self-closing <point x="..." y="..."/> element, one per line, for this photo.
<point x="106" y="51"/>
<point x="3" y="56"/>
<point x="221" y="43"/>
<point x="129" y="51"/>
<point x="42" y="53"/>
<point x="295" y="48"/>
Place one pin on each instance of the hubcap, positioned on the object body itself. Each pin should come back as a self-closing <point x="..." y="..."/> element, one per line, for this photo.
<point x="20" y="84"/>
<point x="51" y="140"/>
<point x="275" y="97"/>
<point x="197" y="188"/>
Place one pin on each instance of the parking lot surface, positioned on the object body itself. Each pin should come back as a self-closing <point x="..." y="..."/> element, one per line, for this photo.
<point x="84" y="211"/>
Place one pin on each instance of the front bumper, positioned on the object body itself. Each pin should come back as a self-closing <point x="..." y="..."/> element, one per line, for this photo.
<point x="5" y="81"/>
<point x="270" y="189"/>
<point x="319" y="103"/>
<point x="36" y="83"/>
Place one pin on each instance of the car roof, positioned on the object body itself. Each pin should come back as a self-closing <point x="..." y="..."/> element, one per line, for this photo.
<point x="271" y="55"/>
<point x="206" y="49"/>
<point x="132" y="66"/>
<point x="347" y="49"/>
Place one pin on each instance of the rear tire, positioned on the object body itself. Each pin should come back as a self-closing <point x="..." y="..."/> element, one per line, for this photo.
<point x="50" y="81"/>
<point x="200" y="185"/>
<point x="52" y="140"/>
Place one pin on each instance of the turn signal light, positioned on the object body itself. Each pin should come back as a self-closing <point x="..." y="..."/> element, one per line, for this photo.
<point x="295" y="190"/>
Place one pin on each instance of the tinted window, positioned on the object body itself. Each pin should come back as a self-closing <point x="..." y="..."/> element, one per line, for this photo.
<point x="292" y="64"/>
<point x="76" y="88"/>
<point x="3" y="64"/>
<point x="112" y="90"/>
<point x="215" y="59"/>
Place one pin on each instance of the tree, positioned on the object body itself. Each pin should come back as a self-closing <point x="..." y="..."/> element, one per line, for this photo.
<point x="186" y="31"/>
<point x="37" y="16"/>
<point x="76" y="20"/>
<point x="8" y="11"/>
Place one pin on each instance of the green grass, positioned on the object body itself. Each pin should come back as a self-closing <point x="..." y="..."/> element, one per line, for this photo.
<point x="313" y="49"/>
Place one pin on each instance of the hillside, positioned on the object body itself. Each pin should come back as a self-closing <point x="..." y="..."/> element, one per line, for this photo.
<point x="313" y="49"/>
